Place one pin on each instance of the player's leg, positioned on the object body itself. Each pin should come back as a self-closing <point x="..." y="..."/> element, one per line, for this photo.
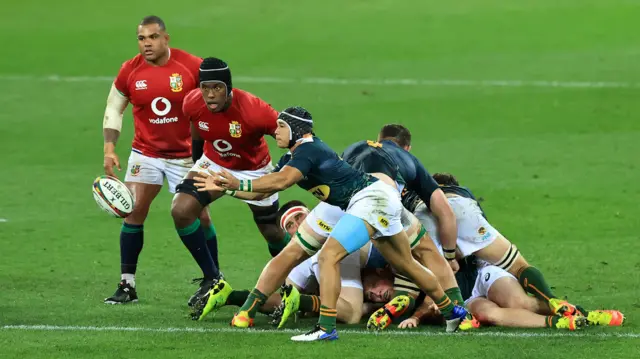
<point x="186" y="209"/>
<point x="348" y="235"/>
<point x="176" y="170"/>
<point x="503" y="294"/>
<point x="506" y="292"/>
<point x="299" y="279"/>
<point x="424" y="250"/>
<point x="144" y="179"/>
<point x="503" y="254"/>
<point x="272" y="277"/>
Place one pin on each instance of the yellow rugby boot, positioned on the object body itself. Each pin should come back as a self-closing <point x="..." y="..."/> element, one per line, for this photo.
<point x="242" y="320"/>
<point x="384" y="316"/>
<point x="608" y="318"/>
<point x="469" y="323"/>
<point x="571" y="322"/>
<point x="290" y="303"/>
<point x="562" y="307"/>
<point x="215" y="299"/>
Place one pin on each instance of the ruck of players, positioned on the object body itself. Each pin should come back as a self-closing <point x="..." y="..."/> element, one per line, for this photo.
<point x="387" y="244"/>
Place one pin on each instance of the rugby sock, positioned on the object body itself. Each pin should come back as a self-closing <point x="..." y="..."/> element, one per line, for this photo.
<point x="309" y="303"/>
<point x="194" y="239"/>
<point x="212" y="243"/>
<point x="277" y="247"/>
<point x="532" y="280"/>
<point x="237" y="297"/>
<point x="446" y="306"/>
<point x="455" y="295"/>
<point x="551" y="321"/>
<point x="254" y="301"/>
<point x="131" y="241"/>
<point x="327" y="319"/>
<point x="129" y="278"/>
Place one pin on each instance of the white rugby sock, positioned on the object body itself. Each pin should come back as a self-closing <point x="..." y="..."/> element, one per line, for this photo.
<point x="129" y="278"/>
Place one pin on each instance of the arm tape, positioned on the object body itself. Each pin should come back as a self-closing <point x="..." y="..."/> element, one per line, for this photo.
<point x="116" y="104"/>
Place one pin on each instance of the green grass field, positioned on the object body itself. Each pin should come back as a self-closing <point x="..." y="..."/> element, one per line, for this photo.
<point x="533" y="105"/>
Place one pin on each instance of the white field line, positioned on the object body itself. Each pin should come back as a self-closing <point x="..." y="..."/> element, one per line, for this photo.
<point x="550" y="334"/>
<point x="370" y="82"/>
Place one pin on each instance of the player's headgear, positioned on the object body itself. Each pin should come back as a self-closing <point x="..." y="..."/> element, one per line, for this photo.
<point x="299" y="121"/>
<point x="215" y="70"/>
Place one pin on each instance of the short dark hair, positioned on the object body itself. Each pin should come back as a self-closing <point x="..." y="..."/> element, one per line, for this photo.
<point x="152" y="19"/>
<point x="445" y="179"/>
<point x="397" y="133"/>
<point x="285" y="207"/>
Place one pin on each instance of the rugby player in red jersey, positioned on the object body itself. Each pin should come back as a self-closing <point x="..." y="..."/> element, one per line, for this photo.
<point x="228" y="128"/>
<point x="155" y="82"/>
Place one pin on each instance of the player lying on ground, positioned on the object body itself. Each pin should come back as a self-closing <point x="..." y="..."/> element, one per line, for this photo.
<point x="315" y="167"/>
<point x="394" y="142"/>
<point x="476" y="236"/>
<point x="366" y="280"/>
<point x="321" y="221"/>
<point x="231" y="124"/>
<point x="498" y="299"/>
<point x="155" y="82"/>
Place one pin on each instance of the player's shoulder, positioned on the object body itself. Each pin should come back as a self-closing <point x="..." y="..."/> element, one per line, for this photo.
<point x="247" y="98"/>
<point x="132" y="63"/>
<point x="192" y="100"/>
<point x="185" y="57"/>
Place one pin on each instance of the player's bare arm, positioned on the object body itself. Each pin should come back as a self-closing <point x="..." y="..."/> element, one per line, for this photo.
<point x="111" y="126"/>
<point x="273" y="182"/>
<point x="447" y="229"/>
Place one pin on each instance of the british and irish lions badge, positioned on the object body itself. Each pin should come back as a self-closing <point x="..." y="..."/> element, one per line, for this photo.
<point x="175" y="81"/>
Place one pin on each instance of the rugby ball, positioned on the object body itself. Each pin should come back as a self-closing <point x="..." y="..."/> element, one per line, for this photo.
<point x="113" y="196"/>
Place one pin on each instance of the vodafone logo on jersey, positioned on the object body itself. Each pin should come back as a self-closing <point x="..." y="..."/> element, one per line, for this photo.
<point x="141" y="85"/>
<point x="160" y="107"/>
<point x="223" y="147"/>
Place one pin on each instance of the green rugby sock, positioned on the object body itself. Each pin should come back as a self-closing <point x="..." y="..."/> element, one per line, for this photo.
<point x="455" y="295"/>
<point x="212" y="243"/>
<point x="237" y="297"/>
<point x="309" y="303"/>
<point x="532" y="280"/>
<point x="446" y="306"/>
<point x="254" y="301"/>
<point x="327" y="320"/>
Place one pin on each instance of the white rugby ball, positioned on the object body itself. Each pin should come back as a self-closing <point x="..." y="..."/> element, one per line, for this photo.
<point x="113" y="196"/>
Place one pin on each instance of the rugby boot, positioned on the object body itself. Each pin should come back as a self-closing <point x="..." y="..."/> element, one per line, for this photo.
<point x="124" y="294"/>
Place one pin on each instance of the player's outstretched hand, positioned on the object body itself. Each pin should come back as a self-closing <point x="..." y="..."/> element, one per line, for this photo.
<point x="207" y="182"/>
<point x="409" y="323"/>
<point x="111" y="160"/>
<point x="227" y="181"/>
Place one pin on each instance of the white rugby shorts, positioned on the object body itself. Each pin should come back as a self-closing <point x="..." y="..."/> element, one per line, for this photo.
<point x="150" y="170"/>
<point x="487" y="275"/>
<point x="378" y="204"/>
<point x="474" y="231"/>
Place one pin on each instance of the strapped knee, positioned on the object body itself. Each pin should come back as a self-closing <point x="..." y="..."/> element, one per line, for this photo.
<point x="509" y="258"/>
<point x="187" y="186"/>
<point x="266" y="215"/>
